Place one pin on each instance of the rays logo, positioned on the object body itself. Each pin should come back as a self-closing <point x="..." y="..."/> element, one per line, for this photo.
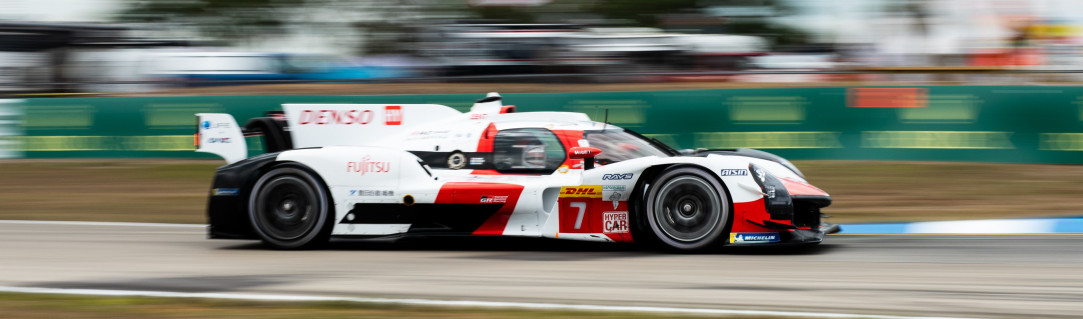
<point x="617" y="177"/>
<point x="206" y="124"/>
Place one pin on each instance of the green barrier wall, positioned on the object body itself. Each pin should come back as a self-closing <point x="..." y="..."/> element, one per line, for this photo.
<point x="953" y="123"/>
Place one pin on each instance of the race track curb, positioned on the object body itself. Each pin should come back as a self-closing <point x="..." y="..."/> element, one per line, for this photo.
<point x="985" y="226"/>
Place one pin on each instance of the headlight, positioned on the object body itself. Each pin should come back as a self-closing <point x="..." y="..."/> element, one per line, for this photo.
<point x="776" y="199"/>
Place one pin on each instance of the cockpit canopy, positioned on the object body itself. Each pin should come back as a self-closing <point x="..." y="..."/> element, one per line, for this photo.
<point x="540" y="151"/>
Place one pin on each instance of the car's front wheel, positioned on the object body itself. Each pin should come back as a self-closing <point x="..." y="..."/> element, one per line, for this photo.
<point x="687" y="209"/>
<point x="289" y="208"/>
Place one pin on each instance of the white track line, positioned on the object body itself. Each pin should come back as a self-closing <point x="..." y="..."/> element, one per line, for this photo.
<point x="79" y="223"/>
<point x="447" y="303"/>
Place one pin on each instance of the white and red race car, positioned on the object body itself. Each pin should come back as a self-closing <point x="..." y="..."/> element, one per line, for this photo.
<point x="394" y="170"/>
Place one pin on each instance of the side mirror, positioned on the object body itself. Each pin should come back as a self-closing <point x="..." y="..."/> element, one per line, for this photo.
<point x="585" y="153"/>
<point x="581" y="152"/>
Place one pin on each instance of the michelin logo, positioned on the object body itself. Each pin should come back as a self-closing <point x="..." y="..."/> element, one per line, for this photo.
<point x="754" y="238"/>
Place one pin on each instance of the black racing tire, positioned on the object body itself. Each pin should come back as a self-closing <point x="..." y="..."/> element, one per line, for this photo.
<point x="290" y="208"/>
<point x="687" y="209"/>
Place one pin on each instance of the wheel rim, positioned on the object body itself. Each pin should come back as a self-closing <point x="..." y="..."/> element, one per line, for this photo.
<point x="286" y="208"/>
<point x="687" y="209"/>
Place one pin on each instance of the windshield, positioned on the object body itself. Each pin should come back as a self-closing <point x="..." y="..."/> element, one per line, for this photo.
<point x="618" y="145"/>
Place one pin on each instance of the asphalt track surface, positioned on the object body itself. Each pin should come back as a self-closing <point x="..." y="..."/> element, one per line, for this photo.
<point x="954" y="276"/>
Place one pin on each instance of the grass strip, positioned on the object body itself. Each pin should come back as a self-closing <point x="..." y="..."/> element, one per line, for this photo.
<point x="21" y="305"/>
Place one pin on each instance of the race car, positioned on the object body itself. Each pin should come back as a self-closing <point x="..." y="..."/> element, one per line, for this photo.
<point x="396" y="170"/>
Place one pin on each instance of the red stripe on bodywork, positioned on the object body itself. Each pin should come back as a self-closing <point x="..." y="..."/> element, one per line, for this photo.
<point x="754" y="210"/>
<point x="570" y="139"/>
<point x="748" y="217"/>
<point x="471" y="193"/>
<point x="485" y="141"/>
<point x="485" y="172"/>
<point x="796" y="187"/>
<point x="485" y="145"/>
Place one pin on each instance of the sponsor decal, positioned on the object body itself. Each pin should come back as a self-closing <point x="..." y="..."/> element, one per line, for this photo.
<point x="754" y="238"/>
<point x="582" y="151"/>
<point x="734" y="172"/>
<point x="563" y="169"/>
<point x="489" y="199"/>
<point x="225" y="191"/>
<point x="477" y="116"/>
<point x="617" y="177"/>
<point x="371" y="192"/>
<point x="209" y="125"/>
<point x="344" y="117"/>
<point x="393" y="115"/>
<point x="430" y="135"/>
<point x="220" y="140"/>
<point x="614" y="222"/>
<point x="584" y="191"/>
<point x="367" y="165"/>
<point x="477" y="160"/>
<point x="613" y="187"/>
<point x="615" y="197"/>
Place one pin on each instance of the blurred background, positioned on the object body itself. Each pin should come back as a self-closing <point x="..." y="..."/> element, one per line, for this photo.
<point x="832" y="84"/>
<point x="906" y="111"/>
<point x="110" y="46"/>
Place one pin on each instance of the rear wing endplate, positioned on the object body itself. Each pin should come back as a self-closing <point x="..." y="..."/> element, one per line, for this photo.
<point x="218" y="133"/>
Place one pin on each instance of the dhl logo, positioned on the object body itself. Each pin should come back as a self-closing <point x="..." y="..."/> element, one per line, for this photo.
<point x="583" y="191"/>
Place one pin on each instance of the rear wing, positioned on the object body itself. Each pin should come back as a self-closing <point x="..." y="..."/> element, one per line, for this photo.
<point x="316" y="125"/>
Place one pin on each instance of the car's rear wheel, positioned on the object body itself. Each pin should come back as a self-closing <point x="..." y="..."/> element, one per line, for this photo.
<point x="289" y="208"/>
<point x="687" y="209"/>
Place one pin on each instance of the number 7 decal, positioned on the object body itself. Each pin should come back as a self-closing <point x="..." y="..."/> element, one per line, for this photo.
<point x="582" y="206"/>
<point x="576" y="216"/>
